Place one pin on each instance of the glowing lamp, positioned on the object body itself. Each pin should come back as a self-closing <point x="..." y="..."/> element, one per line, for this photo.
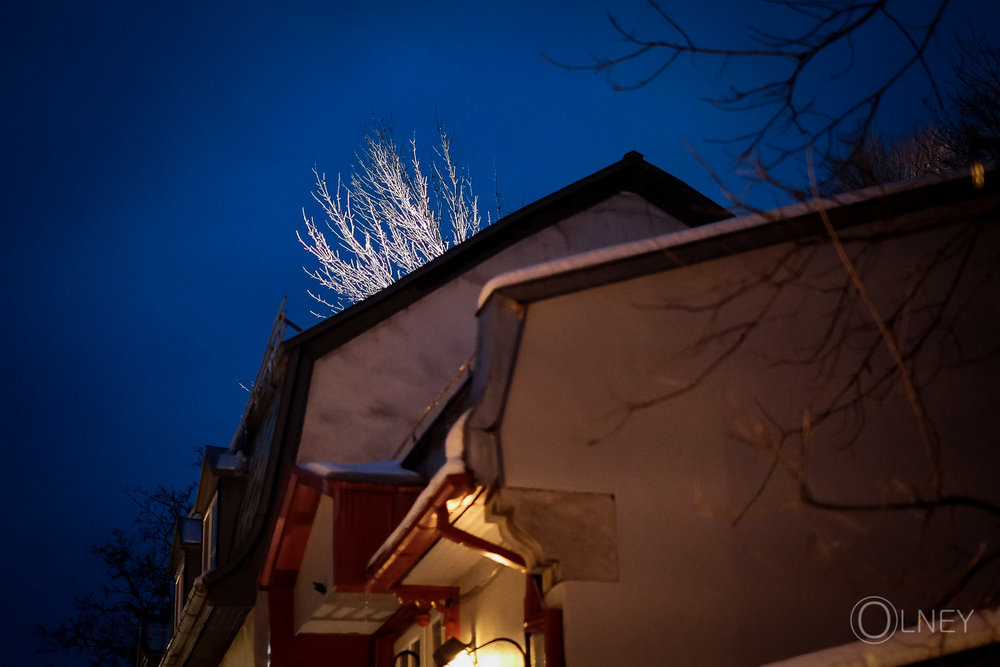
<point x="454" y="653"/>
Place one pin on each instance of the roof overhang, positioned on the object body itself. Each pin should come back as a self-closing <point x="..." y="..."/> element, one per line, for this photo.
<point x="928" y="198"/>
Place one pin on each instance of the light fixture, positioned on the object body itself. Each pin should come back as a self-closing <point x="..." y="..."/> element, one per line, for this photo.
<point x="407" y="653"/>
<point x="450" y="652"/>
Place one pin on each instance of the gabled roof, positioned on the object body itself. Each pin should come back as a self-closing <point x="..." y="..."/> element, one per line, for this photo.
<point x="227" y="596"/>
<point x="631" y="174"/>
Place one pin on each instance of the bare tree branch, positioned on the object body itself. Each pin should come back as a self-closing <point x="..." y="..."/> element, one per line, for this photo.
<point x="389" y="220"/>
<point x="799" y="60"/>
<point x="105" y="622"/>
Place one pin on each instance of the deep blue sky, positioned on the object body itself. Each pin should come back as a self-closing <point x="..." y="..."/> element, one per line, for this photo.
<point x="156" y="156"/>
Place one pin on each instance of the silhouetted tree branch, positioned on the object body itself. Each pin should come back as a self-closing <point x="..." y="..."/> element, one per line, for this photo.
<point x="966" y="131"/>
<point x="802" y="104"/>
<point x="105" y="622"/>
<point x="885" y="324"/>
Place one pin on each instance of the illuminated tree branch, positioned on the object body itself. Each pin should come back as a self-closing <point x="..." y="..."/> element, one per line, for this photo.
<point x="388" y="220"/>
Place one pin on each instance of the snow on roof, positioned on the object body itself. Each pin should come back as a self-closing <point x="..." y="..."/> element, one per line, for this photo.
<point x="451" y="466"/>
<point x="665" y="242"/>
<point x="382" y="472"/>
<point x="454" y="464"/>
<point x="231" y="461"/>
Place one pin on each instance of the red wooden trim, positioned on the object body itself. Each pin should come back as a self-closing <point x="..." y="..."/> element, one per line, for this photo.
<point x="310" y="650"/>
<point x="364" y="517"/>
<point x="544" y="621"/>
<point x="446" y="599"/>
<point x="291" y="532"/>
<point x="494" y="552"/>
<point x="365" y="514"/>
<point x="418" y="538"/>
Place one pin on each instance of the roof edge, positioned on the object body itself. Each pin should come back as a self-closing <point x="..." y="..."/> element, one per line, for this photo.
<point x="735" y="235"/>
<point x="630" y="174"/>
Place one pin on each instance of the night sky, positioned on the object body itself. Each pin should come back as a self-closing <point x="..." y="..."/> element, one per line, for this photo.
<point x="157" y="156"/>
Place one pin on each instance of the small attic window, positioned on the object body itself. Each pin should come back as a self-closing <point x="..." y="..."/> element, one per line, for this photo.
<point x="210" y="536"/>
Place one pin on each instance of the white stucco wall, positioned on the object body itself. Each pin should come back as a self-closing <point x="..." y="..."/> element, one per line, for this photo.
<point x="316" y="567"/>
<point x="249" y="647"/>
<point x="495" y="609"/>
<point x="492" y="603"/>
<point x="414" y="354"/>
<point x="697" y="586"/>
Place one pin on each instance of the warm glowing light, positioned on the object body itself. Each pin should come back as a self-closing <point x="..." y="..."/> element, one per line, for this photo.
<point x="978" y="175"/>
<point x="494" y="660"/>
<point x="485" y="658"/>
<point x="484" y="655"/>
<point x="463" y="659"/>
<point x="459" y="503"/>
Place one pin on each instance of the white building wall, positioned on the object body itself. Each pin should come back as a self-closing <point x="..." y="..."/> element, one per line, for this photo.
<point x="719" y="560"/>
<point x="416" y="353"/>
<point x="492" y="604"/>
<point x="249" y="647"/>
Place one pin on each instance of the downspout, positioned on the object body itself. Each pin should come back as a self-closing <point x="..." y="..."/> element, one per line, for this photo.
<point x="494" y="552"/>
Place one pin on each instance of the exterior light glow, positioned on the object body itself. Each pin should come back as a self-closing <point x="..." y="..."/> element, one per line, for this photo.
<point x="463" y="659"/>
<point x="454" y="653"/>
<point x="462" y="502"/>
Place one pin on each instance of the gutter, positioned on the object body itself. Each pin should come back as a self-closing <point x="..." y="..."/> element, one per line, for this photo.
<point x="733" y="235"/>
<point x="193" y="619"/>
<point x="418" y="531"/>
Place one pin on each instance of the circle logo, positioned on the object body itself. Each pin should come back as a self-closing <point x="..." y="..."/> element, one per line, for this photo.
<point x="874" y="619"/>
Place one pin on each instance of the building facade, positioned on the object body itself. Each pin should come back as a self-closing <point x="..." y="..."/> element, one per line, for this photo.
<point x="620" y="428"/>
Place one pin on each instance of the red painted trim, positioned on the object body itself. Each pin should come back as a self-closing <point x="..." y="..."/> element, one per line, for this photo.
<point x="446" y="599"/>
<point x="544" y="621"/>
<point x="310" y="650"/>
<point x="291" y="533"/>
<point x="389" y="570"/>
<point x="365" y="514"/>
<point x="492" y="551"/>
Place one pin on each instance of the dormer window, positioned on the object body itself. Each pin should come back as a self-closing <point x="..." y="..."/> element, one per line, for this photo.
<point x="185" y="560"/>
<point x="210" y="536"/>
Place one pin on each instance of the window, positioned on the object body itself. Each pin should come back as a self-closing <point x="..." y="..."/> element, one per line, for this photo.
<point x="210" y="536"/>
<point x="179" y="597"/>
<point x="416" y="647"/>
<point x="411" y="656"/>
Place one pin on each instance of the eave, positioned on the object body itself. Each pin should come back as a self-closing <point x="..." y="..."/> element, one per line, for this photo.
<point x="631" y="174"/>
<point x="231" y="586"/>
<point x="927" y="198"/>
